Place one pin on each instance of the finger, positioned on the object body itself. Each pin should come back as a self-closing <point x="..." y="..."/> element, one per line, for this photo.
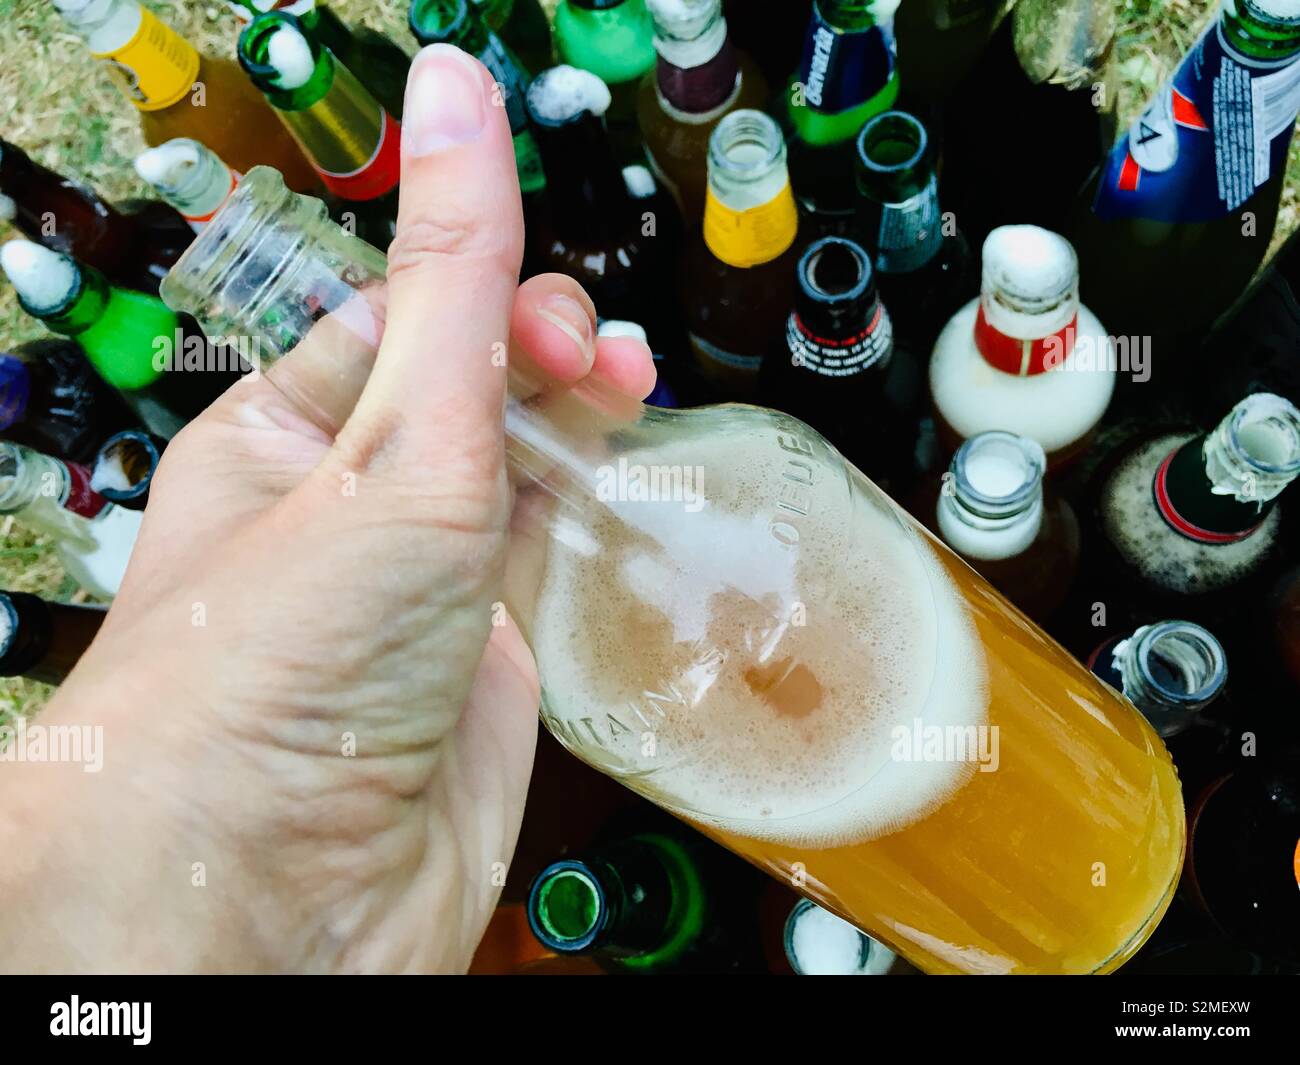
<point x="453" y="269"/>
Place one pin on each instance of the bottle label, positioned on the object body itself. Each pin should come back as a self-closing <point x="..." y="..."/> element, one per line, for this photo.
<point x="843" y="356"/>
<point x="81" y="498"/>
<point x="377" y="175"/>
<point x="1024" y="358"/>
<point x="754" y="236"/>
<point x="159" y="66"/>
<point x="1211" y="137"/>
<point x="15" y="390"/>
<point x="910" y="232"/>
<point x="1181" y="524"/>
<point x="510" y="83"/>
<point x="844" y="68"/>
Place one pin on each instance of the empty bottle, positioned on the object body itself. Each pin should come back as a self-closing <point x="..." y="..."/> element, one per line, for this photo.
<point x="189" y="176"/>
<point x="124" y="467"/>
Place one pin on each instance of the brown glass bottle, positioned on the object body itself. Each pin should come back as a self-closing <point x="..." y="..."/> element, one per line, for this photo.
<point x="42" y="640"/>
<point x="738" y="277"/>
<point x="181" y="92"/>
<point x="699" y="78"/>
<point x="134" y="249"/>
<point x="590" y="226"/>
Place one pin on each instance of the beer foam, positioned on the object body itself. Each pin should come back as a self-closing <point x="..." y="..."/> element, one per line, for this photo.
<point x="44" y="279"/>
<point x="639" y="182"/>
<point x="1134" y="526"/>
<point x="168" y="166"/>
<point x="563" y="92"/>
<point x="747" y="685"/>
<point x="289" y="53"/>
<point x="1057" y="408"/>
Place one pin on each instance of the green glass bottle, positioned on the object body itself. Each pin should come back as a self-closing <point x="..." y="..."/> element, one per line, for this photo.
<point x="847" y="76"/>
<point x="136" y="343"/>
<point x="524" y="28"/>
<point x="653" y="902"/>
<point x="614" y="39"/>
<point x="346" y="134"/>
<point x="376" y="60"/>
<point x="1177" y="218"/>
<point x="460" y="22"/>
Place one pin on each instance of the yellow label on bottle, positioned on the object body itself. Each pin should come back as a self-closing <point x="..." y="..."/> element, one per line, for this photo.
<point x="754" y="236"/>
<point x="158" y="65"/>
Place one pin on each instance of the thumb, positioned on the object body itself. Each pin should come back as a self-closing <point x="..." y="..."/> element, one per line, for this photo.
<point x="436" y="393"/>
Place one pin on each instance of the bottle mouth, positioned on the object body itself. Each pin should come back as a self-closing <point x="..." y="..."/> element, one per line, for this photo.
<point x="254" y="49"/>
<point x="436" y="21"/>
<point x="829" y="934"/>
<point x="1030" y="271"/>
<point x="746" y="145"/>
<point x="1180" y="663"/>
<point x="1264" y="430"/>
<point x="684" y="20"/>
<point x="125" y="466"/>
<point x="891" y="143"/>
<point x="835" y="271"/>
<point x="998" y="474"/>
<point x="566" y="907"/>
<point x="564" y="96"/>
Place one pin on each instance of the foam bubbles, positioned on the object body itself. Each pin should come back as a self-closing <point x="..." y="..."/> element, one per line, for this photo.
<point x="564" y="92"/>
<point x="44" y="279"/>
<point x="169" y="165"/>
<point x="290" y="54"/>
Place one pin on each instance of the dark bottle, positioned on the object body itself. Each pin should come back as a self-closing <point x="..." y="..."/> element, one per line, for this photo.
<point x="52" y="400"/>
<point x="1286" y="623"/>
<point x="1189" y="515"/>
<point x="846" y="77"/>
<point x="41" y="640"/>
<point x="613" y="39"/>
<point x="738" y="278"/>
<point x="134" y="250"/>
<point x="657" y="901"/>
<point x="380" y="64"/>
<point x="923" y="263"/>
<point x="1243" y="855"/>
<point x="460" y="22"/>
<point x="939" y="42"/>
<point x="1176" y="673"/>
<point x="124" y="467"/>
<point x="1177" y="218"/>
<point x="837" y="367"/>
<point x="591" y="226"/>
<point x="991" y="507"/>
<point x="523" y="27"/>
<point x="771" y="34"/>
<point x="135" y="343"/>
<point x="1048" y="70"/>
<point x="348" y="136"/>
<point x="699" y="79"/>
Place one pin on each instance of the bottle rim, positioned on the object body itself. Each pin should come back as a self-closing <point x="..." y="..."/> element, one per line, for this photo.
<point x="1265" y="406"/>
<point x="816" y="255"/>
<point x="452" y="30"/>
<point x="571" y="872"/>
<point x="901" y="121"/>
<point x="1010" y="504"/>
<point x="255" y="38"/>
<point x="746" y="126"/>
<point x="867" y="945"/>
<point x="138" y="454"/>
<point x="1198" y="652"/>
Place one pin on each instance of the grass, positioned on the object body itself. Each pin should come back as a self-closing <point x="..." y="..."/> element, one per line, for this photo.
<point x="65" y="111"/>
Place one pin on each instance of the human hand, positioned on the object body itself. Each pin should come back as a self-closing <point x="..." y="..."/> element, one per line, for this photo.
<point x="298" y="583"/>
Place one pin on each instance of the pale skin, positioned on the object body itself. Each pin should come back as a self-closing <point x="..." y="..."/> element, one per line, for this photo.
<point x="344" y="569"/>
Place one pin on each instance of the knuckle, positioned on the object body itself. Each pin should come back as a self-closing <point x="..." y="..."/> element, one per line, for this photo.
<point x="428" y="240"/>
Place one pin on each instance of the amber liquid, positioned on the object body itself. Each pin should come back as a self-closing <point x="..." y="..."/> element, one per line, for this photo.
<point x="1077" y="796"/>
<point x="235" y="122"/>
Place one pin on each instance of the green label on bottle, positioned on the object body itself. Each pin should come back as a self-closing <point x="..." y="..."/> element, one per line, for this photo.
<point x="132" y="339"/>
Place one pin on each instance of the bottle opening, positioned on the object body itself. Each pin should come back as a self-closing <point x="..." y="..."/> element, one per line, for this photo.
<point x="818" y="943"/>
<point x="125" y="466"/>
<point x="835" y="269"/>
<point x="1030" y="271"/>
<point x="684" y="20"/>
<point x="1182" y="663"/>
<point x="1265" y="429"/>
<point x="891" y="142"/>
<point x="434" y="21"/>
<point x="746" y="145"/>
<point x="565" y="907"/>
<point x="998" y="474"/>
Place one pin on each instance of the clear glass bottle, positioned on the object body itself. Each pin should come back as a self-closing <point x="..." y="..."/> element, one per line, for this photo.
<point x="190" y="176"/>
<point x="92" y="538"/>
<point x="734" y="623"/>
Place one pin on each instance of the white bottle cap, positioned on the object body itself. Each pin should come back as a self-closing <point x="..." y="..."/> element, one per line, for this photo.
<point x="44" y="279"/>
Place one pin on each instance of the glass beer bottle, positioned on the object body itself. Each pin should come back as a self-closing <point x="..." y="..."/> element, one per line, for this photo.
<point x="162" y="74"/>
<point x="190" y="176"/>
<point x="41" y="640"/>
<point x="766" y="646"/>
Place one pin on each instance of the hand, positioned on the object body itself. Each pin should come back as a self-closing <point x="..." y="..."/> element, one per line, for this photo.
<point x="297" y="583"/>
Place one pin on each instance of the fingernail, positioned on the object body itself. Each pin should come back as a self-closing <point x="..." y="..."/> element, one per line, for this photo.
<point x="446" y="103"/>
<point x="571" y="318"/>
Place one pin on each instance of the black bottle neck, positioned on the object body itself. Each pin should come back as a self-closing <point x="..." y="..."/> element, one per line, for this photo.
<point x="584" y="183"/>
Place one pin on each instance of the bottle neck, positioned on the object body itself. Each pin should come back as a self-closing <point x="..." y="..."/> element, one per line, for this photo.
<point x="991" y="503"/>
<point x="1261" y="29"/>
<point x="639" y="901"/>
<point x="201" y="189"/>
<point x="45" y="640"/>
<point x="48" y="494"/>
<point x="698" y="72"/>
<point x="1218" y="488"/>
<point x="1028" y="314"/>
<point x="584" y="183"/>
<point x="898" y="200"/>
<point x="839" y="327"/>
<point x="1171" y="671"/>
<point x="351" y="141"/>
<point x="83" y="308"/>
<point x="749" y="212"/>
<point x="847" y="73"/>
<point x="155" y="66"/>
